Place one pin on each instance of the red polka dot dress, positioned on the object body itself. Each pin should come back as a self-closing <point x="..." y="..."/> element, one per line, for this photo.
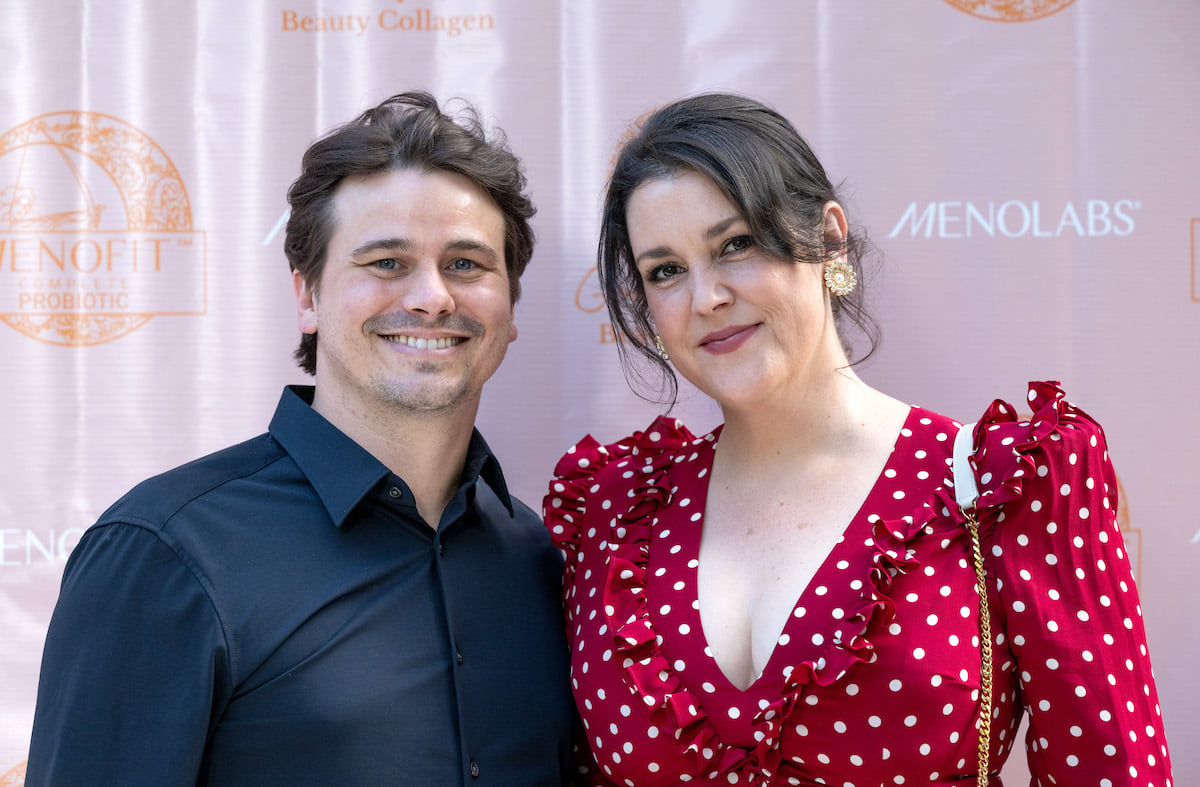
<point x="875" y="677"/>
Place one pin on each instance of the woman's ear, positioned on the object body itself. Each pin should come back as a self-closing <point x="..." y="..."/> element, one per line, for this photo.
<point x="834" y="220"/>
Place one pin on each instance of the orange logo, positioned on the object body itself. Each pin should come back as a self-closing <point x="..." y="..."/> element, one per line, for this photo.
<point x="1010" y="10"/>
<point x="96" y="231"/>
<point x="391" y="20"/>
<point x="14" y="778"/>
<point x="588" y="297"/>
<point x="590" y="300"/>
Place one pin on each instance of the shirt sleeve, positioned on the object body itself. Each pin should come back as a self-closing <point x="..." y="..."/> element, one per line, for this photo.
<point x="134" y="661"/>
<point x="1073" y="620"/>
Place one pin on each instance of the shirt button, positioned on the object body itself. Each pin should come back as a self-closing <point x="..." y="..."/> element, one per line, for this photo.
<point x="474" y="769"/>
<point x="441" y="548"/>
<point x="395" y="492"/>
<point x="458" y="656"/>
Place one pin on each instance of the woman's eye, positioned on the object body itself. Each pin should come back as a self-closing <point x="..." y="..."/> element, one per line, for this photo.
<point x="664" y="272"/>
<point x="738" y="243"/>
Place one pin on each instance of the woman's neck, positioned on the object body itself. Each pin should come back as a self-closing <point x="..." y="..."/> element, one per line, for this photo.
<point x="810" y="422"/>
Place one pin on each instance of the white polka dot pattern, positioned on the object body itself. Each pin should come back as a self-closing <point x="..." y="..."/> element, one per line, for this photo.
<point x="875" y="678"/>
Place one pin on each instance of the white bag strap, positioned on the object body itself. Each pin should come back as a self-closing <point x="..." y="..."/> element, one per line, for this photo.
<point x="965" y="490"/>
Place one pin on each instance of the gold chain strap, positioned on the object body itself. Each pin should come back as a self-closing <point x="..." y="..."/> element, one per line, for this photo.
<point x="985" y="647"/>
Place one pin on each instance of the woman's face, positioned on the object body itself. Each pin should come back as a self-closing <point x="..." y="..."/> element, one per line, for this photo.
<point x="740" y="324"/>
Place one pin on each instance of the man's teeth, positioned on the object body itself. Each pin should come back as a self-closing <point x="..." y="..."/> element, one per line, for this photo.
<point x="425" y="344"/>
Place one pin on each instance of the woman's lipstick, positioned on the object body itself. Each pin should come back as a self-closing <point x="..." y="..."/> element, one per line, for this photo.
<point x="728" y="339"/>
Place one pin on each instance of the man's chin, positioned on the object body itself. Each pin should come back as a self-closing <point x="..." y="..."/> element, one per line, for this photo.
<point x="431" y="398"/>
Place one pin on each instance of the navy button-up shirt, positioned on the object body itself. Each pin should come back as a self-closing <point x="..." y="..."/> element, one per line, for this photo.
<point x="278" y="613"/>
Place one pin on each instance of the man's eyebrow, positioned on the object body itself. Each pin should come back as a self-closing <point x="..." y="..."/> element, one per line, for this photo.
<point x="467" y="244"/>
<point x="404" y="244"/>
<point x="386" y="244"/>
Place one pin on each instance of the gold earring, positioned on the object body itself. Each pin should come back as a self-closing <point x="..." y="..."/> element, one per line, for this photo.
<point x="658" y="346"/>
<point x="840" y="278"/>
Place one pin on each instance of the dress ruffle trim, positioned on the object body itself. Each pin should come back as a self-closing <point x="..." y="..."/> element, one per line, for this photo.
<point x="1002" y="456"/>
<point x="647" y="458"/>
<point x="1005" y="446"/>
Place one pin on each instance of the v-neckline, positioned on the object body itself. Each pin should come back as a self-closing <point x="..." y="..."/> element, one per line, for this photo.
<point x="690" y="549"/>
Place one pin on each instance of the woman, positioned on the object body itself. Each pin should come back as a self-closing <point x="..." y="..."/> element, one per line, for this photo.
<point x="791" y="598"/>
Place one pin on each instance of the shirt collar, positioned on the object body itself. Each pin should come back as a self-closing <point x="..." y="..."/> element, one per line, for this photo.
<point x="340" y="470"/>
<point x="482" y="463"/>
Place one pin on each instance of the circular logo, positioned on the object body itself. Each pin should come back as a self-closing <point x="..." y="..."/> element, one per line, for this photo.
<point x="90" y="210"/>
<point x="1010" y="10"/>
<point x="14" y="778"/>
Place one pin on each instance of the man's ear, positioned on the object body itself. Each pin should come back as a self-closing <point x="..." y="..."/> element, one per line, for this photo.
<point x="306" y="304"/>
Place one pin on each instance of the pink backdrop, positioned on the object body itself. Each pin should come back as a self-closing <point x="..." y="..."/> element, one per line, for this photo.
<point x="1028" y="168"/>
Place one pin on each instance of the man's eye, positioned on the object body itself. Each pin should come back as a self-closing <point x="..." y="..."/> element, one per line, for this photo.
<point x="386" y="264"/>
<point x="462" y="264"/>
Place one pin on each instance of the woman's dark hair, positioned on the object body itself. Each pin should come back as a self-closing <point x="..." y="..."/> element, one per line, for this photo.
<point x="763" y="166"/>
<point x="407" y="131"/>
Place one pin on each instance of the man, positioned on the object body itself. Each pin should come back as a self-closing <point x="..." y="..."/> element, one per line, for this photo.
<point x="352" y="597"/>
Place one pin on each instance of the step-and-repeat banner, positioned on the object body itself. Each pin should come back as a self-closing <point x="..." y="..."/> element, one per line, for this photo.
<point x="1029" y="170"/>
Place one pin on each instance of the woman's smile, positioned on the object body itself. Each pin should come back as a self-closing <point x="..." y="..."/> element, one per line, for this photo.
<point x="728" y="339"/>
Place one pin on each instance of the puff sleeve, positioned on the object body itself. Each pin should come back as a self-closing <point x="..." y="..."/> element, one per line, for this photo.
<point x="1064" y="586"/>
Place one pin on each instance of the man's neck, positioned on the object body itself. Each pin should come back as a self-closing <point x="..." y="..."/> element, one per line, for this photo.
<point x="427" y="449"/>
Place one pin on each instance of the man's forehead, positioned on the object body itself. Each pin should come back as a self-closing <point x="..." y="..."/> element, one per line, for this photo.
<point x="407" y="206"/>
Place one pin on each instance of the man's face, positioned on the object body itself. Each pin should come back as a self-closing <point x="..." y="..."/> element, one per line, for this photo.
<point x="413" y="307"/>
